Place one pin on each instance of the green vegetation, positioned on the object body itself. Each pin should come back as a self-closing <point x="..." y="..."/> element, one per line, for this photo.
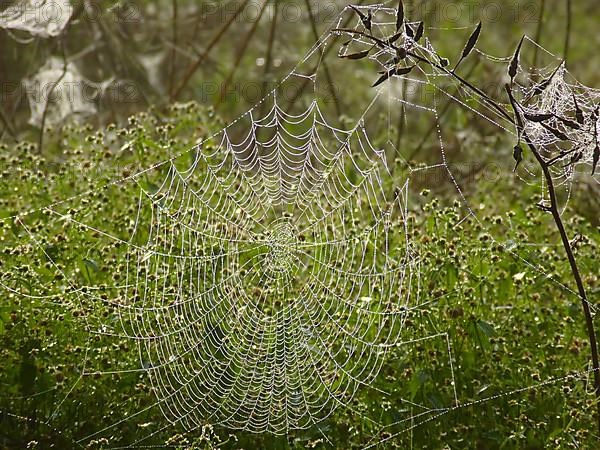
<point x="510" y="326"/>
<point x="494" y="351"/>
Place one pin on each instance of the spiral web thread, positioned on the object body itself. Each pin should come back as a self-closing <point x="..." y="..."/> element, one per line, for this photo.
<point x="258" y="310"/>
<point x="260" y="287"/>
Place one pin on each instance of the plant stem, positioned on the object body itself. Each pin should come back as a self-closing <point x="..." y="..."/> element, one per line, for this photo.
<point x="555" y="211"/>
<point x="196" y="64"/>
<point x="545" y="166"/>
<point x="568" y="30"/>
<point x="538" y="32"/>
<point x="313" y="25"/>
<point x="174" y="49"/>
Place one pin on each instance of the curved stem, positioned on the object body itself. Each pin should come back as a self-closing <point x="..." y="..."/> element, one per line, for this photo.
<point x="568" y="30"/>
<point x="538" y="31"/>
<point x="554" y="209"/>
<point x="554" y="206"/>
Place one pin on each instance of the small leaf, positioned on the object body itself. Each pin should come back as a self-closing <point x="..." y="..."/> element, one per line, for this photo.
<point x="400" y="16"/>
<point x="541" y="87"/>
<point x="557" y="133"/>
<point x="472" y="41"/>
<point x="409" y="31"/>
<point x="596" y="158"/>
<point x="368" y="22"/>
<point x="517" y="155"/>
<point x="419" y="32"/>
<point x="384" y="77"/>
<point x="366" y="19"/>
<point x="576" y="157"/>
<point x="91" y="264"/>
<point x="470" y="44"/>
<point x="569" y="123"/>
<point x="514" y="63"/>
<point x="359" y="12"/>
<point x="394" y="38"/>
<point x="486" y="328"/>
<point x="578" y="111"/>
<point x="358" y="55"/>
<point x="539" y="117"/>
<point x="404" y="70"/>
<point x="391" y="72"/>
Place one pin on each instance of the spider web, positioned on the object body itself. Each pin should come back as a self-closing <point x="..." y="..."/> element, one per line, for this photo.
<point x="260" y="287"/>
<point x="255" y="308"/>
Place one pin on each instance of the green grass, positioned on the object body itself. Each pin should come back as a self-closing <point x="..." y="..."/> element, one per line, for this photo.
<point x="511" y="329"/>
<point x="497" y="289"/>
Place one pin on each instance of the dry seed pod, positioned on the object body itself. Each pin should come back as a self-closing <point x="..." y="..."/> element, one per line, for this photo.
<point x="540" y="117"/>
<point x="569" y="123"/>
<point x="366" y="19"/>
<point x="419" y="32"/>
<point x="578" y="111"/>
<point x="358" y="55"/>
<point x="514" y="63"/>
<point x="557" y="133"/>
<point x="400" y="16"/>
<point x="517" y="155"/>
<point x="394" y="38"/>
<point x="596" y="158"/>
<point x="391" y="72"/>
<point x="541" y="87"/>
<point x="470" y="44"/>
<point x="384" y="77"/>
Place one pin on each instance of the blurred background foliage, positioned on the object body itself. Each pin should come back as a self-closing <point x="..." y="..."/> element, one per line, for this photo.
<point x="171" y="72"/>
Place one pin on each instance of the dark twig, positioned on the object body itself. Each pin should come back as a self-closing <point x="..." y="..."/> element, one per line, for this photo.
<point x="554" y="209"/>
<point x="294" y="98"/>
<point x="216" y="38"/>
<point x="246" y="41"/>
<point x="325" y="66"/>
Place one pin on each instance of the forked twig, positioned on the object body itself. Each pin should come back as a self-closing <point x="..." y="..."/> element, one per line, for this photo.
<point x="545" y="165"/>
<point x="216" y="38"/>
<point x="555" y="211"/>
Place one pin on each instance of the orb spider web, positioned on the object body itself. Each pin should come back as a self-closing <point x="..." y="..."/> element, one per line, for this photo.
<point x="261" y="288"/>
